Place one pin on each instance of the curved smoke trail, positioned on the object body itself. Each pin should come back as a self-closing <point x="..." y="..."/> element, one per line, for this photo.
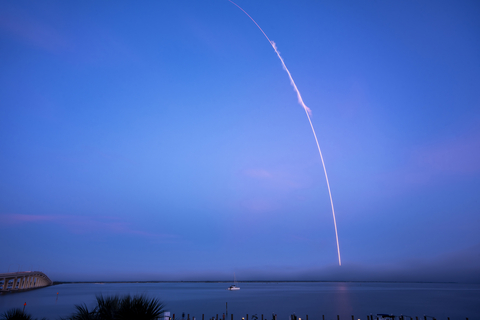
<point x="308" y="112"/>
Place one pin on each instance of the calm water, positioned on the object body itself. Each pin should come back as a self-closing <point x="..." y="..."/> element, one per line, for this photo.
<point x="457" y="301"/>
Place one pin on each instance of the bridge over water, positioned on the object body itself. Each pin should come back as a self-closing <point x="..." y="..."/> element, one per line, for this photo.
<point x="18" y="281"/>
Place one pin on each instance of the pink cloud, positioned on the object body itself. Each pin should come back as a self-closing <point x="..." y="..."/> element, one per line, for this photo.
<point x="98" y="45"/>
<point x="257" y="173"/>
<point x="81" y="224"/>
<point x="264" y="191"/>
<point x="284" y="178"/>
<point x="19" y="218"/>
<point x="457" y="157"/>
<point x="259" y="205"/>
<point x="32" y="32"/>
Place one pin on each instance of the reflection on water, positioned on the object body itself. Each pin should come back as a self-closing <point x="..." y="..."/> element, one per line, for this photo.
<point x="457" y="301"/>
<point x="342" y="298"/>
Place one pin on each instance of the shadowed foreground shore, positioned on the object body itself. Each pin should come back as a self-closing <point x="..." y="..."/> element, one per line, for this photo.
<point x="141" y="307"/>
<point x="107" y="308"/>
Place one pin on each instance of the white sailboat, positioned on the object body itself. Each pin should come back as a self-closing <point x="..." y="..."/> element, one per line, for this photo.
<point x="234" y="286"/>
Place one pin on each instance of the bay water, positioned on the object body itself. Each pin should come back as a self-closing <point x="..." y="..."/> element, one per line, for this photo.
<point x="315" y="299"/>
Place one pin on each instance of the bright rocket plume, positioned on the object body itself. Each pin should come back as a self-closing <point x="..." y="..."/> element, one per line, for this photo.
<point x="308" y="112"/>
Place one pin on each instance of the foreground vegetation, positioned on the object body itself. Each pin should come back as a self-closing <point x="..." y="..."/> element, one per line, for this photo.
<point x="107" y="308"/>
<point x="16" y="314"/>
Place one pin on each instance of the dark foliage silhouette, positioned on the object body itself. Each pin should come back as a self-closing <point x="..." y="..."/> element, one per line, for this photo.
<point x="138" y="307"/>
<point x="16" y="314"/>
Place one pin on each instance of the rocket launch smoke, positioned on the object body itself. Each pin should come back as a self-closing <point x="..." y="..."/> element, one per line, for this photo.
<point x="308" y="112"/>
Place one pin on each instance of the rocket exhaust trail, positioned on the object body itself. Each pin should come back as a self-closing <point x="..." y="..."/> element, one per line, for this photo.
<point x="308" y="112"/>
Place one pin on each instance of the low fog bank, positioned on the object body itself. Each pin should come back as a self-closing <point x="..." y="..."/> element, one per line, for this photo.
<point x="462" y="266"/>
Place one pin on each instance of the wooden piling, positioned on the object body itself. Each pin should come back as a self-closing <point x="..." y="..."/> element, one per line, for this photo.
<point x="338" y="317"/>
<point x="352" y="317"/>
<point x="247" y="316"/>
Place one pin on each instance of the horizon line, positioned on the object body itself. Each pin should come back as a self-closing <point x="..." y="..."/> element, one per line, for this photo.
<point x="248" y="281"/>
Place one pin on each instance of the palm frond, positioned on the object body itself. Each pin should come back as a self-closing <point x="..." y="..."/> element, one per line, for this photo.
<point x="107" y="307"/>
<point x="16" y="314"/>
<point x="138" y="307"/>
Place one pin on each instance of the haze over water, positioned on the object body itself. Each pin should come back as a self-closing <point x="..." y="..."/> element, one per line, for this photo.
<point x="441" y="300"/>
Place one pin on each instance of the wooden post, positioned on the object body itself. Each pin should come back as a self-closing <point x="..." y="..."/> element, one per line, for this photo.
<point x="188" y="316"/>
<point x="216" y="317"/>
<point x="307" y="316"/>
<point x="203" y="316"/>
<point x="323" y="317"/>
<point x="352" y="317"/>
<point x="338" y="317"/>
<point x="247" y="316"/>
<point x="232" y="316"/>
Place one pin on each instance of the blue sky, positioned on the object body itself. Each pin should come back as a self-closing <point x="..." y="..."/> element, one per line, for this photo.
<point x="162" y="140"/>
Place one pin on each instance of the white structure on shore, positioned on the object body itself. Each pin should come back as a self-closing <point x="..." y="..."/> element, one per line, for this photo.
<point x="15" y="281"/>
